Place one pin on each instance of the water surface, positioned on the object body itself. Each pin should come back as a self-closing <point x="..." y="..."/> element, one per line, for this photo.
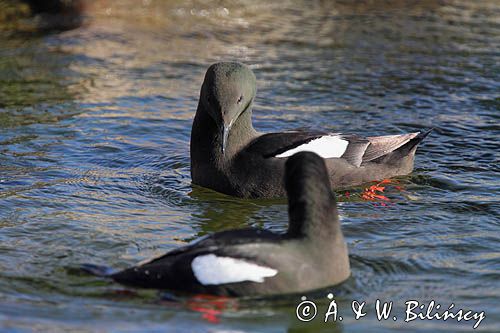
<point x="94" y="155"/>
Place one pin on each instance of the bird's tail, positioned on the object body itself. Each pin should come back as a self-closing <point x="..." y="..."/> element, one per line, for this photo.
<point x="411" y="145"/>
<point x="405" y="151"/>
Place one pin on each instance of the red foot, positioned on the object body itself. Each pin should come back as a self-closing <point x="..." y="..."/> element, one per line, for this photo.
<point x="209" y="306"/>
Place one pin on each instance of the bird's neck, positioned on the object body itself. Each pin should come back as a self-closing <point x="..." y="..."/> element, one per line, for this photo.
<point x="240" y="135"/>
<point x="313" y="217"/>
<point x="206" y="137"/>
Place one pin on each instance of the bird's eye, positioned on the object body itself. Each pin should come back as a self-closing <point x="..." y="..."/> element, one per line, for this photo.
<point x="240" y="99"/>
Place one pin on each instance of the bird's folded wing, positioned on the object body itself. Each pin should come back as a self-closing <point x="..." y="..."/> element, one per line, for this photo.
<point x="327" y="145"/>
<point x="219" y="240"/>
<point x="275" y="144"/>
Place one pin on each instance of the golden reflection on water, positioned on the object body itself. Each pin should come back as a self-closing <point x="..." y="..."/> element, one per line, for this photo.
<point x="159" y="38"/>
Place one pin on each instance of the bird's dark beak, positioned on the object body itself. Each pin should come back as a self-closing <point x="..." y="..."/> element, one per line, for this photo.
<point x="225" y="134"/>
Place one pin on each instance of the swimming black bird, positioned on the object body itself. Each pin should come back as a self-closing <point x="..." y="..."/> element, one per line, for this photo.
<point x="230" y="156"/>
<point x="312" y="254"/>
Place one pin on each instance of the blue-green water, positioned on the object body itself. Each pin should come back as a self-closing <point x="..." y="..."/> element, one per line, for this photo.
<point x="94" y="155"/>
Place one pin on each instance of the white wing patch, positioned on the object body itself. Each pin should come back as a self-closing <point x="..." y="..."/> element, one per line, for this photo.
<point x="211" y="269"/>
<point x="327" y="147"/>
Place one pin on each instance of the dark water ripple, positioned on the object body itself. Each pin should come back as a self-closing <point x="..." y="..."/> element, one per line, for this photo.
<point x="94" y="154"/>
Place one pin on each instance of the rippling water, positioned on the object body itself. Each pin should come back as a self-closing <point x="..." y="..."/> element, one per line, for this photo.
<point x="94" y="163"/>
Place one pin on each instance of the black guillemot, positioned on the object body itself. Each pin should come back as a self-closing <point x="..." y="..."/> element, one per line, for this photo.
<point x="228" y="155"/>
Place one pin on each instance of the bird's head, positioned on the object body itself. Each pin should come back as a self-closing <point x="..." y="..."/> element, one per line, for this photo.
<point x="227" y="92"/>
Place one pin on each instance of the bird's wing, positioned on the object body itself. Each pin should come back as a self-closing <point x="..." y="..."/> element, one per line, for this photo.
<point x="353" y="148"/>
<point x="214" y="242"/>
<point x="327" y="145"/>
<point x="274" y="144"/>
<point x="206" y="262"/>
